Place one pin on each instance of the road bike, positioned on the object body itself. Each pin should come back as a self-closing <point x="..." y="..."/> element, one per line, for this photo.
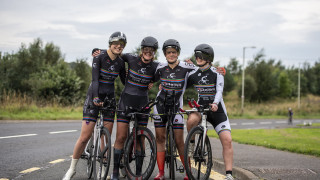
<point x="98" y="149"/>
<point x="197" y="148"/>
<point x="171" y="148"/>
<point x="140" y="150"/>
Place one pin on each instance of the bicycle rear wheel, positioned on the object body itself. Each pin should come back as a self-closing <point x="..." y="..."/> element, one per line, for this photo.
<point x="102" y="155"/>
<point x="140" y="154"/>
<point x="197" y="155"/>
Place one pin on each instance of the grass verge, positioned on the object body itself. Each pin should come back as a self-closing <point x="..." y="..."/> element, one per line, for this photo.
<point x="297" y="140"/>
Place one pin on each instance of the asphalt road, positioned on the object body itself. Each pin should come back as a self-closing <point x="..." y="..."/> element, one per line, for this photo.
<point x="42" y="149"/>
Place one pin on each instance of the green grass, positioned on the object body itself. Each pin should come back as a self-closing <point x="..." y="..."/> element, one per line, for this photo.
<point x="298" y="140"/>
<point x="34" y="112"/>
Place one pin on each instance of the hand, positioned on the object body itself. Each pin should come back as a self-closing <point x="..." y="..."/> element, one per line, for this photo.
<point x="221" y="70"/>
<point x="188" y="61"/>
<point x="214" y="107"/>
<point x="160" y="87"/>
<point x="96" y="52"/>
<point x="97" y="102"/>
<point x="150" y="85"/>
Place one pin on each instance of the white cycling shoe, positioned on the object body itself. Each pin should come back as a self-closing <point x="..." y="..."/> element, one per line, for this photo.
<point x="70" y="173"/>
<point x="229" y="177"/>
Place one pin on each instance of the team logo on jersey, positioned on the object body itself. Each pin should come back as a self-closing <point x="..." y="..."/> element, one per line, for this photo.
<point x="204" y="80"/>
<point x="223" y="126"/>
<point x="142" y="71"/>
<point x="94" y="65"/>
<point x="199" y="74"/>
<point x="111" y="68"/>
<point x="176" y="120"/>
<point x="171" y="76"/>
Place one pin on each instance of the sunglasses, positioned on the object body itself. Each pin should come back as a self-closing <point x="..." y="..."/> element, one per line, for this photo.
<point x="201" y="55"/>
<point x="117" y="43"/>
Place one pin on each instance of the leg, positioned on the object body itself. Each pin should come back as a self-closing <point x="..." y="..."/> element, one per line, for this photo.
<point x="226" y="141"/>
<point x="122" y="129"/>
<point x="161" y="143"/>
<point x="193" y="120"/>
<point x="86" y="132"/>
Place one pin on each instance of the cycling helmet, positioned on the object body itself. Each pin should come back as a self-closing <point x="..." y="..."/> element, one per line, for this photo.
<point x="118" y="36"/>
<point x="149" y="42"/>
<point x="171" y="43"/>
<point x="205" y="52"/>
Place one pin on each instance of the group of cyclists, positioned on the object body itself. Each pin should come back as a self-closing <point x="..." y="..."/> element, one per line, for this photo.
<point x="142" y="71"/>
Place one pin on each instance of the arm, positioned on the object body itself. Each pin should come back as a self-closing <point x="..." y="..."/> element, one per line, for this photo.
<point x="95" y="80"/>
<point x="219" y="91"/>
<point x="123" y="74"/>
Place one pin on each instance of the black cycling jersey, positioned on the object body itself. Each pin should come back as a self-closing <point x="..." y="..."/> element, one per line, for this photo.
<point x="104" y="73"/>
<point x="139" y="75"/>
<point x="209" y="85"/>
<point x="173" y="79"/>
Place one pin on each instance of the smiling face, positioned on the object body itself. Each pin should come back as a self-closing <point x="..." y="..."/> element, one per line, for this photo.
<point x="171" y="55"/>
<point x="117" y="47"/>
<point x="147" y="54"/>
<point x="200" y="62"/>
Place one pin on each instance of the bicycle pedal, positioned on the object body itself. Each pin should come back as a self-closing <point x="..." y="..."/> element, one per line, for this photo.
<point x="83" y="156"/>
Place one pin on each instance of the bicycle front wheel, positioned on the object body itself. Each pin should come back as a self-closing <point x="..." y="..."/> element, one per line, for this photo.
<point x="171" y="152"/>
<point x="89" y="151"/>
<point x="140" y="154"/>
<point x="198" y="155"/>
<point x="102" y="155"/>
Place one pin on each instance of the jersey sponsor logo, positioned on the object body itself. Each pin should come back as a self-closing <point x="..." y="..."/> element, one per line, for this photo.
<point x="171" y="76"/>
<point x="111" y="68"/>
<point x="142" y="71"/>
<point x="203" y="80"/>
<point x="94" y="65"/>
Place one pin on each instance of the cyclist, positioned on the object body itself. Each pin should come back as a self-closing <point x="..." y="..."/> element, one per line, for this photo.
<point x="173" y="78"/>
<point x="141" y="70"/>
<point x="105" y="69"/>
<point x="209" y="85"/>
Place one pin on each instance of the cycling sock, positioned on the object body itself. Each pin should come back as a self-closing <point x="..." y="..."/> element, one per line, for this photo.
<point x="160" y="161"/>
<point x="117" y="155"/>
<point x="74" y="163"/>
<point x="229" y="172"/>
<point x="139" y="162"/>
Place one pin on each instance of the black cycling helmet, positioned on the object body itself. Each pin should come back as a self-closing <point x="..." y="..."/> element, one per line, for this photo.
<point x="171" y="43"/>
<point x="149" y="42"/>
<point x="118" y="36"/>
<point x="205" y="52"/>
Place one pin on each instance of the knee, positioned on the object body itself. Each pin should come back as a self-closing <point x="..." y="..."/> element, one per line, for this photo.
<point x="160" y="139"/>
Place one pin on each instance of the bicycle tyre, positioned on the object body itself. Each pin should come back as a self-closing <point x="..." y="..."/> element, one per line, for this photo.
<point x="171" y="150"/>
<point x="89" y="149"/>
<point x="101" y="159"/>
<point x="149" y="156"/>
<point x="193" y="167"/>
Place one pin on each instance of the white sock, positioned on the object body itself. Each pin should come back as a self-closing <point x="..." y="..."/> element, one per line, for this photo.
<point x="74" y="163"/>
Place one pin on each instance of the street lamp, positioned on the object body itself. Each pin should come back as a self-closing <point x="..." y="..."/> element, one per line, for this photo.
<point x="242" y="94"/>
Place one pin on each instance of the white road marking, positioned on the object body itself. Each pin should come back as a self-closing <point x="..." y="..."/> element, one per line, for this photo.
<point x="59" y="132"/>
<point x="312" y="171"/>
<point x="281" y="122"/>
<point x="249" y="123"/>
<point x="24" y="135"/>
<point x="233" y="124"/>
<point x="265" y="122"/>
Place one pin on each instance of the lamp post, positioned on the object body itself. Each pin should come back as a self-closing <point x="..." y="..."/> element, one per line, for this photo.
<point x="243" y="68"/>
<point x="299" y="87"/>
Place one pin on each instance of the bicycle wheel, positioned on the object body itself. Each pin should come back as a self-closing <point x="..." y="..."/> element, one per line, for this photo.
<point x="89" y="151"/>
<point x="171" y="152"/>
<point x="140" y="160"/>
<point x="198" y="155"/>
<point x="102" y="155"/>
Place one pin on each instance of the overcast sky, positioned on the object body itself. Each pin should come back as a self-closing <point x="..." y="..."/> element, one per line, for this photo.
<point x="288" y="30"/>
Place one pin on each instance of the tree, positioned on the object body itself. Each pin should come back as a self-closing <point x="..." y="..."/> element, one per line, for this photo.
<point x="284" y="85"/>
<point x="234" y="67"/>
